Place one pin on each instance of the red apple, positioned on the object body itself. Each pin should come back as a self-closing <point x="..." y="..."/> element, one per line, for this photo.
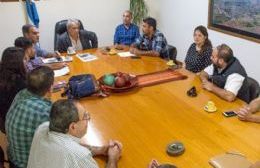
<point x="127" y="77"/>
<point x="120" y="82"/>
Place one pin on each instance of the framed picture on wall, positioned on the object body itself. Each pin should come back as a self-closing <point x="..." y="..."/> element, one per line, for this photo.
<point x="240" y="18"/>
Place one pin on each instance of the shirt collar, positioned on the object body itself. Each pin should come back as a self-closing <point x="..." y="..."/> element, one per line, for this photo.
<point x="154" y="35"/>
<point x="128" y="26"/>
<point x="30" y="94"/>
<point x="65" y="136"/>
<point x="71" y="39"/>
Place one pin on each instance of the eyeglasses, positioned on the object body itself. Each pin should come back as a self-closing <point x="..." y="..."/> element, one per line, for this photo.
<point x="86" y="116"/>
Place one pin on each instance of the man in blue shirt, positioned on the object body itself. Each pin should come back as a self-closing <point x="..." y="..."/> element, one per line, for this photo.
<point x="32" y="33"/>
<point x="126" y="33"/>
<point x="152" y="42"/>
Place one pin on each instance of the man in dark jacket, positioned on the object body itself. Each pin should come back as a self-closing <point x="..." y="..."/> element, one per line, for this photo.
<point x="76" y="38"/>
<point x="226" y="77"/>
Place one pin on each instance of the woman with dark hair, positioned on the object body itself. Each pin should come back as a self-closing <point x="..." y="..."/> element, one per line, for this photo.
<point x="199" y="53"/>
<point x="12" y="79"/>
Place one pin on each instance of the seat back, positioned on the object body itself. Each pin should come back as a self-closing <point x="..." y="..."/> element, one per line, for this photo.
<point x="172" y="52"/>
<point x="254" y="88"/>
<point x="60" y="28"/>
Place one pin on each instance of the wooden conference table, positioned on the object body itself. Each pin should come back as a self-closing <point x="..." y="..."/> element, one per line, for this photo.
<point x="147" y="119"/>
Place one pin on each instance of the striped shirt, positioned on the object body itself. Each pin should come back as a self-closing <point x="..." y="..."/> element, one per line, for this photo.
<point x="52" y="149"/>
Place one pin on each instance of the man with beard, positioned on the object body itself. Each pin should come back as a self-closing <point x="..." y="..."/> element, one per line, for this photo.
<point x="152" y="42"/>
<point x="226" y="77"/>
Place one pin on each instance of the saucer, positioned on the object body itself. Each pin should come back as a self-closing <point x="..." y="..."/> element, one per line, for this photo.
<point x="71" y="53"/>
<point x="210" y="111"/>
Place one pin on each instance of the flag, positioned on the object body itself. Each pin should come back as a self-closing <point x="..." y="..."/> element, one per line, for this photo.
<point x="32" y="12"/>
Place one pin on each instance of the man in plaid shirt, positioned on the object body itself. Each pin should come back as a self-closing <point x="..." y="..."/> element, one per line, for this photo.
<point x="152" y="42"/>
<point x="30" y="108"/>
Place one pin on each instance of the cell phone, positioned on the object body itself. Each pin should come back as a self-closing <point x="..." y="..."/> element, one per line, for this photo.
<point x="229" y="114"/>
<point x="135" y="57"/>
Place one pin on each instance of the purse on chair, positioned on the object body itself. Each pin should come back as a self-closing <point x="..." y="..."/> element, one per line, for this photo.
<point x="230" y="160"/>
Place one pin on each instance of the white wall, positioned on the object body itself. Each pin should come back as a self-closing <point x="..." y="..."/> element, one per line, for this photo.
<point x="100" y="16"/>
<point x="11" y="19"/>
<point x="177" y="20"/>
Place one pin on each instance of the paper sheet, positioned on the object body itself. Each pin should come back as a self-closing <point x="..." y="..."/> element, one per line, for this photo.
<point x="86" y="57"/>
<point x="125" y="54"/>
<point x="55" y="60"/>
<point x="61" y="72"/>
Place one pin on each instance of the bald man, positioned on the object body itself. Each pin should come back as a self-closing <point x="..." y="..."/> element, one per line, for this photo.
<point x="127" y="32"/>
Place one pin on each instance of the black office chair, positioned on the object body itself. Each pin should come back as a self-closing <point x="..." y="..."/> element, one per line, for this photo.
<point x="172" y="52"/>
<point x="254" y="88"/>
<point x="60" y="28"/>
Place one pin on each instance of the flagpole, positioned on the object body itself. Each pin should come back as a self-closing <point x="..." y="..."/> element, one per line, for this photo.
<point x="26" y="19"/>
<point x="31" y="13"/>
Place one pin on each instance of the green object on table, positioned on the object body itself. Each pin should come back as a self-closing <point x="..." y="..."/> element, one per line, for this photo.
<point x="109" y="79"/>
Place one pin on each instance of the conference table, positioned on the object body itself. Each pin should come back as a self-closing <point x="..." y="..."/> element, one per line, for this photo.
<point x="147" y="119"/>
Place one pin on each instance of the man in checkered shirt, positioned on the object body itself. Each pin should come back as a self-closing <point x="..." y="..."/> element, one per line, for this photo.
<point x="152" y="42"/>
<point x="29" y="109"/>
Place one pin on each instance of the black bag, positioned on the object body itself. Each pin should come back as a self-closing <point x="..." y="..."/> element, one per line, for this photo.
<point x="81" y="86"/>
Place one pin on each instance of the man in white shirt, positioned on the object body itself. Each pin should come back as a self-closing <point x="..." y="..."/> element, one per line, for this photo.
<point x="57" y="143"/>
<point x="226" y="77"/>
